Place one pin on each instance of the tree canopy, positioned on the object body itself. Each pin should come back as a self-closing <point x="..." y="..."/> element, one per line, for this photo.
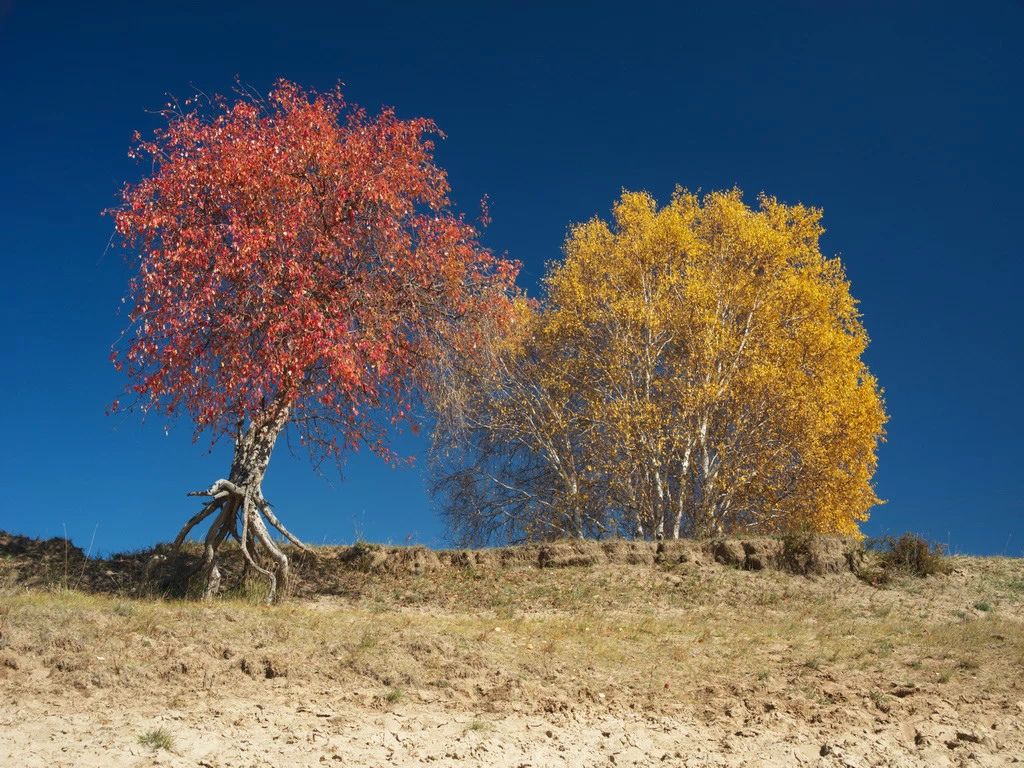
<point x="691" y="369"/>
<point x="293" y="248"/>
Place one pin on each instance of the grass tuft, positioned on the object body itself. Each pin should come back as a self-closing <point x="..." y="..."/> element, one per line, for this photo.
<point x="157" y="739"/>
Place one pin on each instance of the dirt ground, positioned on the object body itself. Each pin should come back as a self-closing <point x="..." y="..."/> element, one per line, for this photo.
<point x="610" y="659"/>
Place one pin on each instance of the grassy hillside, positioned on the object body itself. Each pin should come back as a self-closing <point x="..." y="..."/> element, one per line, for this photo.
<point x="623" y="654"/>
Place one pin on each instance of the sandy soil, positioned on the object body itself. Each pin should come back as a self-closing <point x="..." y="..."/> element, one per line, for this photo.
<point x="287" y="729"/>
<point x="682" y="664"/>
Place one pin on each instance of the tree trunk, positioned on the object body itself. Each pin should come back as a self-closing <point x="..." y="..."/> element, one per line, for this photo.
<point x="684" y="481"/>
<point x="242" y="511"/>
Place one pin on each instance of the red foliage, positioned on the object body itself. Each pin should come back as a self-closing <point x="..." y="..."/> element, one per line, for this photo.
<point x="295" y="250"/>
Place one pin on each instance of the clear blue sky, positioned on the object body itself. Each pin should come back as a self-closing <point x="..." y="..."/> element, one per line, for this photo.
<point x="903" y="121"/>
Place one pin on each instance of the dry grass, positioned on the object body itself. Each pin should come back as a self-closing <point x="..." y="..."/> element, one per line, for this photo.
<point x="609" y="636"/>
<point x="699" y="641"/>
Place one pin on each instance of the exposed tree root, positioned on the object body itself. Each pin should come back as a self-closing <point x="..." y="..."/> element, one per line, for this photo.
<point x="242" y="513"/>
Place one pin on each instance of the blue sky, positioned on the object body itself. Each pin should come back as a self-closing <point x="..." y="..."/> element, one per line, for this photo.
<point x="903" y="121"/>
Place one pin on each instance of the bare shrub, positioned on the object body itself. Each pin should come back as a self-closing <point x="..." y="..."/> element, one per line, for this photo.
<point x="907" y="555"/>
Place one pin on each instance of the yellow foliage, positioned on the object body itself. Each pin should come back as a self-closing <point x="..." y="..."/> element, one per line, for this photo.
<point x="694" y="369"/>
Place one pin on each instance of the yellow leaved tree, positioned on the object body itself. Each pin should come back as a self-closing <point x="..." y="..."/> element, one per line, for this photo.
<point x="692" y="370"/>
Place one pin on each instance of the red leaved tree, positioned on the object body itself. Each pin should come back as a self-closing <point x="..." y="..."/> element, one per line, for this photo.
<point x="298" y="266"/>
